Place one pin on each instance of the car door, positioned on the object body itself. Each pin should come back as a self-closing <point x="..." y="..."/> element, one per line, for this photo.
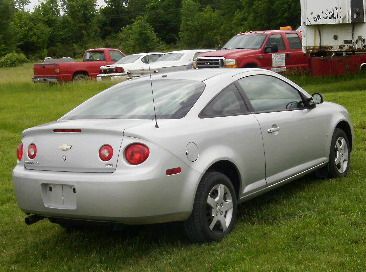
<point x="275" y="61"/>
<point x="235" y="135"/>
<point x="293" y="138"/>
<point x="295" y="58"/>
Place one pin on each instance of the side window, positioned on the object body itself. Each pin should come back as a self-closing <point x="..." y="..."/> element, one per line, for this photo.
<point x="294" y="40"/>
<point x="267" y="93"/>
<point x="276" y="40"/>
<point x="145" y="59"/>
<point x="154" y="57"/>
<point x="116" y="55"/>
<point x="227" y="103"/>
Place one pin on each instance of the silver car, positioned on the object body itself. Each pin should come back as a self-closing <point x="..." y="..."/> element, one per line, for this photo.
<point x="185" y="146"/>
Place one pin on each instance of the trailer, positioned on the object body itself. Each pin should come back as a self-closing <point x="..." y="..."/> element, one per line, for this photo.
<point x="334" y="36"/>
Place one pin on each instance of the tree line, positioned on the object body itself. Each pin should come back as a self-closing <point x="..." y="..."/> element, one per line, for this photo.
<point x="67" y="27"/>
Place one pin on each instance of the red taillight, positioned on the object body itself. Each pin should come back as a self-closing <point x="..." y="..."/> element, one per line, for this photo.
<point x="106" y="152"/>
<point x="20" y="152"/>
<point x="136" y="153"/>
<point x="119" y="70"/>
<point x="32" y="151"/>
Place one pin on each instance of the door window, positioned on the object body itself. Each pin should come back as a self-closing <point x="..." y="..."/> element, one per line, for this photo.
<point x="268" y="93"/>
<point x="116" y="55"/>
<point x="294" y="40"/>
<point x="277" y="40"/>
<point x="227" y="103"/>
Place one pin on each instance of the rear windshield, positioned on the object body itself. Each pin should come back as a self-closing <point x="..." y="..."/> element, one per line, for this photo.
<point x="94" y="56"/>
<point x="171" y="57"/>
<point x="247" y="41"/>
<point x="128" y="59"/>
<point x="173" y="100"/>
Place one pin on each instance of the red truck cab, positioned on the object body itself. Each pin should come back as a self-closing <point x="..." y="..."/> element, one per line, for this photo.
<point x="59" y="71"/>
<point x="277" y="50"/>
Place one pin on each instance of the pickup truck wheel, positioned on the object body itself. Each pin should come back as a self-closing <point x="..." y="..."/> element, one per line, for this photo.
<point x="80" y="76"/>
<point x="214" y="209"/>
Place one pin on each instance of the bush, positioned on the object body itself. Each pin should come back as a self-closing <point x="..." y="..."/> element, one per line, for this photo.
<point x="13" y="59"/>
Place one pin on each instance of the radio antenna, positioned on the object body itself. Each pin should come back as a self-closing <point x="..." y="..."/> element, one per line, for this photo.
<point x="152" y="93"/>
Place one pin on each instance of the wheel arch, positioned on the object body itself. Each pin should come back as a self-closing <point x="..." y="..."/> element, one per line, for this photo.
<point x="345" y="126"/>
<point x="80" y="72"/>
<point x="229" y="169"/>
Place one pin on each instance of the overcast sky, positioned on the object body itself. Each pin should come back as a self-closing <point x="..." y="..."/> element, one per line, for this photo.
<point x="34" y="3"/>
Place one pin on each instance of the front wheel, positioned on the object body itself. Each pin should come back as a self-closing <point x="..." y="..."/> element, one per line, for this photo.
<point x="214" y="209"/>
<point x="340" y="155"/>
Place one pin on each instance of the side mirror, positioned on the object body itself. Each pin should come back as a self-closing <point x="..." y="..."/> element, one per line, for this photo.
<point x="318" y="98"/>
<point x="271" y="49"/>
<point x="314" y="100"/>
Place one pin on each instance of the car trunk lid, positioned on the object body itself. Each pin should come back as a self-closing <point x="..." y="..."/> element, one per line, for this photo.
<point x="73" y="146"/>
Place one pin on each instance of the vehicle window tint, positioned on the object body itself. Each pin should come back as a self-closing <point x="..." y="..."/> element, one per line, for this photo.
<point x="174" y="98"/>
<point x="267" y="93"/>
<point x="94" y="56"/>
<point x="277" y="40"/>
<point x="154" y="57"/>
<point x="116" y="55"/>
<point x="129" y="59"/>
<point x="227" y="103"/>
<point x="294" y="40"/>
<point x="145" y="59"/>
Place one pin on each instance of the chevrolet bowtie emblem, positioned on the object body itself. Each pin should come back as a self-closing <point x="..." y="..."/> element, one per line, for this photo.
<point x="65" y="147"/>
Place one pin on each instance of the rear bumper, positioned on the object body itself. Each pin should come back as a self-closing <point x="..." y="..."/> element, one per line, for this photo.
<point x="45" y="80"/>
<point x="109" y="197"/>
<point x="114" y="76"/>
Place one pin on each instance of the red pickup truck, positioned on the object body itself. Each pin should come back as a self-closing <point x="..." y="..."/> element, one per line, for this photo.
<point x="277" y="50"/>
<point x="59" y="71"/>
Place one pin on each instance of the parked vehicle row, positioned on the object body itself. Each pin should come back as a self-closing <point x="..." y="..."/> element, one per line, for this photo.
<point x="142" y="64"/>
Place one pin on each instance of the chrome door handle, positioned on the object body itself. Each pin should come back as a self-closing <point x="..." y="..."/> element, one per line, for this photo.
<point x="273" y="129"/>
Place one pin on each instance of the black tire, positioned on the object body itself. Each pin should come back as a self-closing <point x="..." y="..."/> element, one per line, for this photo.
<point x="197" y="227"/>
<point x="80" y="77"/>
<point x="334" y="169"/>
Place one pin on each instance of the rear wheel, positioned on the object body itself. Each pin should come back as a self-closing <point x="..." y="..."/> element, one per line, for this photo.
<point x="80" y="76"/>
<point x="339" y="158"/>
<point x="214" y="209"/>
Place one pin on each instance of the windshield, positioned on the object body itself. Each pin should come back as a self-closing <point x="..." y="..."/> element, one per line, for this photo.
<point x="171" y="57"/>
<point x="247" y="41"/>
<point x="173" y="100"/>
<point x="128" y="59"/>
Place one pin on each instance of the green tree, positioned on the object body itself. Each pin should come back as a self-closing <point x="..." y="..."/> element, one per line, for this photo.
<point x="267" y="14"/>
<point x="200" y="29"/>
<point x="7" y="41"/>
<point x="165" y="17"/>
<point x="113" y="17"/>
<point x="139" y="37"/>
<point x="31" y="34"/>
<point x="21" y="4"/>
<point x="81" y="20"/>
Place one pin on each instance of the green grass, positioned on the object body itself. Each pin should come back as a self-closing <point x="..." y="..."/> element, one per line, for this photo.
<point x="308" y="225"/>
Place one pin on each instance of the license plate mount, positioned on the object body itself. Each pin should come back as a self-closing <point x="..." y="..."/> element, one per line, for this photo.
<point x="59" y="196"/>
